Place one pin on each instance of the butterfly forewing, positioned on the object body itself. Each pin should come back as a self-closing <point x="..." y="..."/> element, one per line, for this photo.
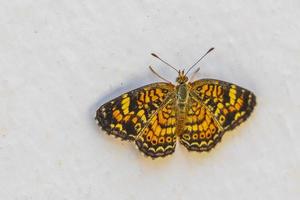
<point x="126" y="115"/>
<point x="230" y="104"/>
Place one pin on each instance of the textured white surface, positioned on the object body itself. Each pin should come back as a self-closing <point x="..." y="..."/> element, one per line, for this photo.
<point x="60" y="60"/>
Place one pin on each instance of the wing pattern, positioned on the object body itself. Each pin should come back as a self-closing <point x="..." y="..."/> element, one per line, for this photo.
<point x="215" y="107"/>
<point x="201" y="131"/>
<point x="126" y="115"/>
<point x="158" y="138"/>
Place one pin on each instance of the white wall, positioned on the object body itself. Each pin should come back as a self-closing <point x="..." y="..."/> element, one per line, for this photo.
<point x="60" y="60"/>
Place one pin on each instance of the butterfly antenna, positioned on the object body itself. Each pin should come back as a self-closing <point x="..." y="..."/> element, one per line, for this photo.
<point x="154" y="72"/>
<point x="156" y="56"/>
<point x="199" y="60"/>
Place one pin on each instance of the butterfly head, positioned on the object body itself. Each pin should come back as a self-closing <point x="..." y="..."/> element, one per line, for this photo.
<point x="182" y="78"/>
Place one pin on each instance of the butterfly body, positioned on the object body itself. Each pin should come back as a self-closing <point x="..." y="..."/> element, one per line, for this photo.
<point x="157" y="115"/>
<point x="182" y="97"/>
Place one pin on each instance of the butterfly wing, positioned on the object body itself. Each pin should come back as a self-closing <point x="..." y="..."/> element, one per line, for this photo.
<point x="126" y="115"/>
<point x="158" y="137"/>
<point x="201" y="131"/>
<point x="215" y="107"/>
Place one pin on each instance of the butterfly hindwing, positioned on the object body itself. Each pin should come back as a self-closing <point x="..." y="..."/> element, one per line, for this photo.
<point x="201" y="132"/>
<point x="127" y="114"/>
<point x="158" y="138"/>
<point x="215" y="107"/>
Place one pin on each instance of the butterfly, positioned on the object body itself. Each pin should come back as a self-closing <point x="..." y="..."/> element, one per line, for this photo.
<point x="197" y="114"/>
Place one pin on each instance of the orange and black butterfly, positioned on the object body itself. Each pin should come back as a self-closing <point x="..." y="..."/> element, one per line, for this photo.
<point x="196" y="113"/>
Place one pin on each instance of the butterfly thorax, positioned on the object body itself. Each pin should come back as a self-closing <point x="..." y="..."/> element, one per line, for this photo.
<point x="182" y="95"/>
<point x="182" y="92"/>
